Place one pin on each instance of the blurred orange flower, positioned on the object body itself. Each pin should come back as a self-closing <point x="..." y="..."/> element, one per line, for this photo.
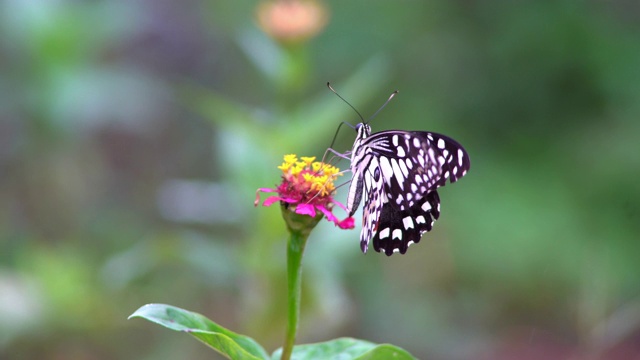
<point x="292" y="21"/>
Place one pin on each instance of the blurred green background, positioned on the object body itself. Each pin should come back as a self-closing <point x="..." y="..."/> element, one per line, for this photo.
<point x="133" y="135"/>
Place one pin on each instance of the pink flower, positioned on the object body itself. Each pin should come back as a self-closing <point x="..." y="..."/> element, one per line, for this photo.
<point x="307" y="187"/>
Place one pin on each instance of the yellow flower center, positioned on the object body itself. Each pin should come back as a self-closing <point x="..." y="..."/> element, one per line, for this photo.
<point x="310" y="175"/>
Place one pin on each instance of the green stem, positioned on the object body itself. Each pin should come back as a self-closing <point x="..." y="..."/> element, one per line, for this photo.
<point x="295" y="249"/>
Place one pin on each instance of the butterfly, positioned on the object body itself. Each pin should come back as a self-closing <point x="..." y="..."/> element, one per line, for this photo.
<point x="397" y="174"/>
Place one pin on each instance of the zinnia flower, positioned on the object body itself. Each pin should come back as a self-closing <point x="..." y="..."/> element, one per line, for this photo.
<point x="307" y="189"/>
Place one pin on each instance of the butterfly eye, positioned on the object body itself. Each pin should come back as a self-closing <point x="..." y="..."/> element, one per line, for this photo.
<point x="376" y="174"/>
<point x="358" y="126"/>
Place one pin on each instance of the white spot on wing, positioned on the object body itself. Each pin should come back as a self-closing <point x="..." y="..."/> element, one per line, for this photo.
<point x="440" y="143"/>
<point x="426" y="206"/>
<point x="460" y="156"/>
<point x="432" y="153"/>
<point x="400" y="150"/>
<point x="404" y="169"/>
<point x="408" y="222"/>
<point x="397" y="234"/>
<point x="398" y="173"/>
<point x="421" y="158"/>
<point x="384" y="233"/>
<point x="420" y="220"/>
<point x="385" y="166"/>
<point x="395" y="140"/>
<point x="409" y="163"/>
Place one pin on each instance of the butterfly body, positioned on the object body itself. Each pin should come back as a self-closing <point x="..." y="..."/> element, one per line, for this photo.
<point x="397" y="173"/>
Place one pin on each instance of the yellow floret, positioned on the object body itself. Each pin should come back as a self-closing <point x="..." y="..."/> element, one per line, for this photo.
<point x="328" y="188"/>
<point x="289" y="161"/>
<point x="325" y="169"/>
<point x="321" y="179"/>
<point x="297" y="168"/>
<point x="308" y="159"/>
<point x="318" y="184"/>
<point x="331" y="170"/>
<point x="290" y="158"/>
<point x="285" y="167"/>
<point x="308" y="177"/>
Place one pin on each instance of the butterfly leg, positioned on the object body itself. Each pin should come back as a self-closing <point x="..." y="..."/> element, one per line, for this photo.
<point x="346" y="155"/>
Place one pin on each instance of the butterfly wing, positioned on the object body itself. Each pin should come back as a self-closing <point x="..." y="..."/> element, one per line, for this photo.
<point x="415" y="162"/>
<point x="397" y="229"/>
<point x="375" y="198"/>
<point x="413" y="165"/>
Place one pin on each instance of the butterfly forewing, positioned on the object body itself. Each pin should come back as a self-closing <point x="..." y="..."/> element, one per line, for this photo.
<point x="400" y="172"/>
<point x="414" y="163"/>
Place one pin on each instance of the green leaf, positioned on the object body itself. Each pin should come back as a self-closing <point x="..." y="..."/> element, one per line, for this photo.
<point x="226" y="342"/>
<point x="346" y="349"/>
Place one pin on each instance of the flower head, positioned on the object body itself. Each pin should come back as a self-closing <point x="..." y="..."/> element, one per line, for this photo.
<point x="307" y="189"/>
<point x="292" y="21"/>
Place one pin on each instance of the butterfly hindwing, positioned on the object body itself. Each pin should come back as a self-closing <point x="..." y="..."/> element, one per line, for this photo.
<point x="397" y="229"/>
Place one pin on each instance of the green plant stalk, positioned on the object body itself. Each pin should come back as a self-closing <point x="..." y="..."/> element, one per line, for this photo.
<point x="295" y="250"/>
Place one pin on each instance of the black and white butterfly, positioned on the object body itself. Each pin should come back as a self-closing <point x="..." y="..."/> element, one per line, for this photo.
<point x="397" y="173"/>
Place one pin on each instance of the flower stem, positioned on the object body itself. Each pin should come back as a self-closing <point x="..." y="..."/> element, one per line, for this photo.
<point x="295" y="249"/>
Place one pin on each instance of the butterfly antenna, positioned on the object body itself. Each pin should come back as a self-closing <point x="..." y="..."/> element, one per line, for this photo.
<point x="341" y="98"/>
<point x="383" y="105"/>
<point x="335" y="136"/>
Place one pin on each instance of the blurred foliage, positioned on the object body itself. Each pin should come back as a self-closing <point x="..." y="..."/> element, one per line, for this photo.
<point x="133" y="135"/>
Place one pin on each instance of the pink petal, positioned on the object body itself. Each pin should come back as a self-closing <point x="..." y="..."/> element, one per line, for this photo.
<point x="339" y="204"/>
<point x="327" y="213"/>
<point x="348" y="223"/>
<point x="271" y="199"/>
<point x="306" y="209"/>
<point x="257" y="201"/>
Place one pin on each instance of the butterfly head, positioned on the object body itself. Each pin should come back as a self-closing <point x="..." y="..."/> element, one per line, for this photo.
<point x="363" y="130"/>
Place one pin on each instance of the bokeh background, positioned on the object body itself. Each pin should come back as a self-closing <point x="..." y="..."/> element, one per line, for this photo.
<point x="133" y="135"/>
